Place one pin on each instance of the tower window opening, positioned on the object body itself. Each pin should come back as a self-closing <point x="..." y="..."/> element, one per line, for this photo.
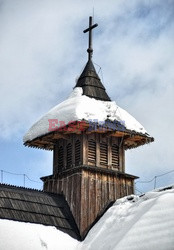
<point x="60" y="158"/>
<point x="92" y="151"/>
<point x="103" y="154"/>
<point x="69" y="155"/>
<point x="115" y="156"/>
<point x="77" y="152"/>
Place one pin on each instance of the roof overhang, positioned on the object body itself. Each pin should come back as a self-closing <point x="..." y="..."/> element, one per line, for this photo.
<point x="130" y="138"/>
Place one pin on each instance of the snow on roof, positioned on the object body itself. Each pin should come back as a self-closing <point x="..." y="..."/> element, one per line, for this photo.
<point x="80" y="107"/>
<point x="134" y="223"/>
<point x="34" y="206"/>
<point x="28" y="236"/>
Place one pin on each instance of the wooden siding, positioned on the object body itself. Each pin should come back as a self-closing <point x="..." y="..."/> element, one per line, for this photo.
<point x="88" y="190"/>
<point x="89" y="170"/>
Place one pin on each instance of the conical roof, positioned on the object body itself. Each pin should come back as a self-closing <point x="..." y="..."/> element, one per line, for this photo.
<point x="91" y="84"/>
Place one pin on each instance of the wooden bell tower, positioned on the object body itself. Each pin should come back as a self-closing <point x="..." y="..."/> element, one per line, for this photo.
<point x="88" y="159"/>
<point x="89" y="165"/>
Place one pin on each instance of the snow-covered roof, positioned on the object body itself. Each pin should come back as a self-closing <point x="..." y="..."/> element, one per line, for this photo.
<point x="27" y="236"/>
<point x="132" y="223"/>
<point x="29" y="205"/>
<point x="80" y="107"/>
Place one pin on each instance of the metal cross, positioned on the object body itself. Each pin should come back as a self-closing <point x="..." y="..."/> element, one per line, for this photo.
<point x="91" y="26"/>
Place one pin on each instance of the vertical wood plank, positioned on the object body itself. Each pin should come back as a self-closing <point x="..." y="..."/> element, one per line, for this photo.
<point x="109" y="153"/>
<point x="55" y="159"/>
<point x="74" y="138"/>
<point x="84" y="150"/>
<point x="97" y="150"/>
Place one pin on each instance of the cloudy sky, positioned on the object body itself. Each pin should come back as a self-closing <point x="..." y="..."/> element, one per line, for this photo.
<point x="42" y="52"/>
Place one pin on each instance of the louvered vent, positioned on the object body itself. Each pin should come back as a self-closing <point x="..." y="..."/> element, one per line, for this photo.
<point x="103" y="154"/>
<point x="60" y="158"/>
<point x="115" y="156"/>
<point x="92" y="151"/>
<point x="69" y="155"/>
<point x="77" y="152"/>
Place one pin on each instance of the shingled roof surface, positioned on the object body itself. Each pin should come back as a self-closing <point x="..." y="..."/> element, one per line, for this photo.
<point x="91" y="84"/>
<point x="29" y="205"/>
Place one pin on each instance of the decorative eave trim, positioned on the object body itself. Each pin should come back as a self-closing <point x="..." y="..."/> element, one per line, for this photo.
<point x="131" y="138"/>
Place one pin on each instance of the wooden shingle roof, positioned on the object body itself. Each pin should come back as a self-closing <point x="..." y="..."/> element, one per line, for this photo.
<point x="91" y="84"/>
<point x="29" y="205"/>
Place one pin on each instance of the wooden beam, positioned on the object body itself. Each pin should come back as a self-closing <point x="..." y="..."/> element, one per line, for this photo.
<point x="60" y="136"/>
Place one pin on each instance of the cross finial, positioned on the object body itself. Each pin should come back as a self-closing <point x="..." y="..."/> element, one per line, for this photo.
<point x="91" y="26"/>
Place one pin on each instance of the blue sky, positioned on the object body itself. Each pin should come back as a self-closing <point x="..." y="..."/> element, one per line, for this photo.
<point x="42" y="52"/>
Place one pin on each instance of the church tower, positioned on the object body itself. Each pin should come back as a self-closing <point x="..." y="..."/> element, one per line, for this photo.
<point x="88" y="134"/>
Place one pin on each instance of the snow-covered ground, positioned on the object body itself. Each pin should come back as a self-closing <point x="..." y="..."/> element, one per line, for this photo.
<point x="81" y="107"/>
<point x="132" y="223"/>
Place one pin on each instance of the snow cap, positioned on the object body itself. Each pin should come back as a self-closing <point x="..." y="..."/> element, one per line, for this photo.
<point x="79" y="107"/>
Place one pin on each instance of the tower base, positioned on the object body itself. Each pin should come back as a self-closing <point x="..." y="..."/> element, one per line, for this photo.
<point x="88" y="191"/>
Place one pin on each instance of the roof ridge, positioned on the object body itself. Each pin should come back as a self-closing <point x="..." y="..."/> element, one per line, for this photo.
<point x="20" y="187"/>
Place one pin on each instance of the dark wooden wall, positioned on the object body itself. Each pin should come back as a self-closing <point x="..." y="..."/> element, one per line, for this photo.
<point x="95" y="179"/>
<point x="88" y="192"/>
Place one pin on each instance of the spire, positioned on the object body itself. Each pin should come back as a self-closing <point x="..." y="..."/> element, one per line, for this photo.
<point x="89" y="80"/>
